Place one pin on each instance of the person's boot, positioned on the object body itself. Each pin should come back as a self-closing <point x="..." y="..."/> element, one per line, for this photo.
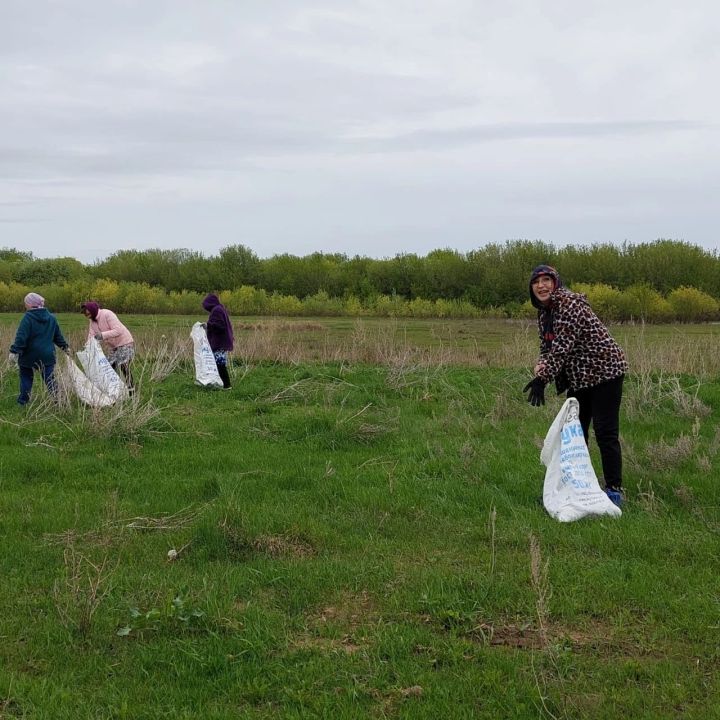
<point x="224" y="376"/>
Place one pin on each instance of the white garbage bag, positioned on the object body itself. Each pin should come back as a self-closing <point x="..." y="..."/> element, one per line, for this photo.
<point x="87" y="392"/>
<point x="100" y="372"/>
<point x="571" y="489"/>
<point x="206" y="372"/>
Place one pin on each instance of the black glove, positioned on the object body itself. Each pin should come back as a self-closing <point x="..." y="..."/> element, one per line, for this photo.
<point x="536" y="394"/>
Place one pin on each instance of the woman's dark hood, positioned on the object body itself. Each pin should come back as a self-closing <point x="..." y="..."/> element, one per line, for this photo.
<point x="551" y="272"/>
<point x="211" y="300"/>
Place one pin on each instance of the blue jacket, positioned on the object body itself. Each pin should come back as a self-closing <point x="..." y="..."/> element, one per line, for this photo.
<point x="36" y="337"/>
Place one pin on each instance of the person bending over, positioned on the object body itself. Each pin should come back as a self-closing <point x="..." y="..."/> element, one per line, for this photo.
<point x="578" y="353"/>
<point x="105" y="327"/>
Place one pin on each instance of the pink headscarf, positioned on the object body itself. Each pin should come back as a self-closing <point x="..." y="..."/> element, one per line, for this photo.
<point x="92" y="307"/>
<point x="34" y="301"/>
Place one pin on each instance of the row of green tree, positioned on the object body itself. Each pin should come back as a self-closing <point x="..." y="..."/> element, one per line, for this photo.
<point x="638" y="302"/>
<point x="491" y="276"/>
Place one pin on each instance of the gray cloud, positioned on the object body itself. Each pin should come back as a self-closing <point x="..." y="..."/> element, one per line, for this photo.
<point x="373" y="127"/>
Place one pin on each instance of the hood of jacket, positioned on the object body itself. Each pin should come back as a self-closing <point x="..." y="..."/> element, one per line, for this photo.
<point x="211" y="300"/>
<point x="41" y="316"/>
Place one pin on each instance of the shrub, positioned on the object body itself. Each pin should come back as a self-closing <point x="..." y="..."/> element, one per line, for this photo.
<point x="246" y="300"/>
<point x="141" y="298"/>
<point x="11" y="297"/>
<point x="388" y="306"/>
<point x="641" y="301"/>
<point x="419" y="308"/>
<point x="606" y="301"/>
<point x="284" y="305"/>
<point x="185" y="302"/>
<point x="106" y="292"/>
<point x="321" y="304"/>
<point x="690" y="305"/>
<point x="354" y="307"/>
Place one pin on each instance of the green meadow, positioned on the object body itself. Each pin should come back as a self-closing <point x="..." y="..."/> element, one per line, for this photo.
<point x="354" y="531"/>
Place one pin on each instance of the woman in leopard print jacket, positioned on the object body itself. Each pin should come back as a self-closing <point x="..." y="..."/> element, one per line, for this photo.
<point x="577" y="351"/>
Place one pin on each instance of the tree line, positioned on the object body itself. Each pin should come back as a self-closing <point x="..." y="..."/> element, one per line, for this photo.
<point x="650" y="280"/>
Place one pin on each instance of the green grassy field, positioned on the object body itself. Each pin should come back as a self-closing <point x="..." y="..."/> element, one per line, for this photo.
<point x="357" y="535"/>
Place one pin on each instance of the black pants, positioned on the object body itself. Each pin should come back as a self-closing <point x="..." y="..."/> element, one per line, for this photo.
<point x="600" y="404"/>
<point x="124" y="368"/>
<point x="224" y="374"/>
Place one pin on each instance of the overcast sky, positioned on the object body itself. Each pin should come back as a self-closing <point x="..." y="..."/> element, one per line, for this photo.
<point x="368" y="127"/>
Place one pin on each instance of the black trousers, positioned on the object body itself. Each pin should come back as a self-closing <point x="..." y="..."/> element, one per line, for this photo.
<point x="124" y="368"/>
<point x="600" y="404"/>
<point x="224" y="374"/>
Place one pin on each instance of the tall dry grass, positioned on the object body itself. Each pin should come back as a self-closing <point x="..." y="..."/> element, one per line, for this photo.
<point x="511" y="344"/>
<point x="657" y="363"/>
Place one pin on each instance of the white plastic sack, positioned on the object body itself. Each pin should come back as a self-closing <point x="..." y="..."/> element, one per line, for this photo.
<point x="100" y="372"/>
<point x="84" y="389"/>
<point x="206" y="372"/>
<point x="571" y="489"/>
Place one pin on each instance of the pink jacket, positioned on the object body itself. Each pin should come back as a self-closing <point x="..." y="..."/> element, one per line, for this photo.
<point x="113" y="331"/>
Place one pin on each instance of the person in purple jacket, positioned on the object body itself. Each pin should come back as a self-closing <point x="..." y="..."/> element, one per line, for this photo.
<point x="219" y="334"/>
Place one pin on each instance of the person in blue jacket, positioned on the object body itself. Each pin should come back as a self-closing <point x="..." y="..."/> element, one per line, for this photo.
<point x="34" y="346"/>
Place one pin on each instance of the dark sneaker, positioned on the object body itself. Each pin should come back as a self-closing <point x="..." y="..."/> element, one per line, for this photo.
<point x="615" y="496"/>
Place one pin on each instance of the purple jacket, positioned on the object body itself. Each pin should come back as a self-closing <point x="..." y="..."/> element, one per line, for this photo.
<point x="219" y="328"/>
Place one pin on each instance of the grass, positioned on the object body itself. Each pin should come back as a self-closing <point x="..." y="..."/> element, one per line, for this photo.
<point x="355" y="539"/>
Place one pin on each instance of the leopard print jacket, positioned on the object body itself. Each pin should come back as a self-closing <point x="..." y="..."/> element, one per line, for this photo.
<point x="579" y="343"/>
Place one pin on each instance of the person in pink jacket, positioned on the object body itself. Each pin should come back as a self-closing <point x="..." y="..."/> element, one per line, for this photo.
<point x="105" y="327"/>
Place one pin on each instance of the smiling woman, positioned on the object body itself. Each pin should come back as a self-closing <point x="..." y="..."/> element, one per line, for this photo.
<point x="577" y="351"/>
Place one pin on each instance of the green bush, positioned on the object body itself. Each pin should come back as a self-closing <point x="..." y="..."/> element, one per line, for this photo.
<point x="606" y="301"/>
<point x="321" y="304"/>
<point x="690" y="305"/>
<point x="246" y="300"/>
<point x="287" y="305"/>
<point x="353" y="307"/>
<point x="637" y="302"/>
<point x="644" y="303"/>
<point x="11" y="297"/>
<point x="185" y="302"/>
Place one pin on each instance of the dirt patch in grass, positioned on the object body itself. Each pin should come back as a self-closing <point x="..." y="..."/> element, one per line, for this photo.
<point x="240" y="545"/>
<point x="334" y="628"/>
<point x="599" y="638"/>
<point x="277" y="546"/>
<point x="350" y="611"/>
<point x="346" y="644"/>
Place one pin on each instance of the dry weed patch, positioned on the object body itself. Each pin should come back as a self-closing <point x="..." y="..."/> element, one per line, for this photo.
<point x="286" y="545"/>
<point x="686" y="497"/>
<point x="664" y="456"/>
<point x="346" y="617"/>
<point x="648" y="500"/>
<point x="240" y="544"/>
<point x="85" y="586"/>
<point x="174" y="521"/>
<point x="650" y="393"/>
